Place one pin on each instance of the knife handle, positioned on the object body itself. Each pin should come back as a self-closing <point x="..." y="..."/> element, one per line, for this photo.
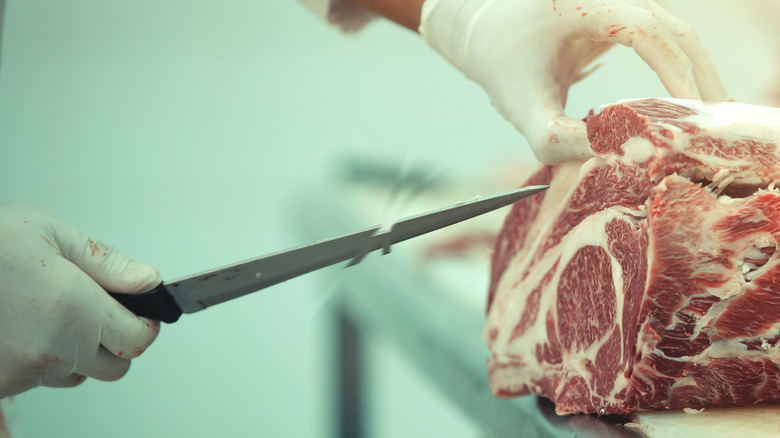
<point x="157" y="304"/>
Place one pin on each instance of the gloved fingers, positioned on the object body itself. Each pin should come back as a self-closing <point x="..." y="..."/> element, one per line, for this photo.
<point x="56" y="314"/>
<point x="108" y="267"/>
<point x="101" y="320"/>
<point x="67" y="381"/>
<point x="538" y="114"/>
<point x="670" y="63"/>
<point x="12" y="385"/>
<point x="710" y="85"/>
<point x="707" y="78"/>
<point x="40" y="367"/>
<point x="124" y="334"/>
<point x="567" y="140"/>
<point x="652" y="40"/>
<point x="102" y="365"/>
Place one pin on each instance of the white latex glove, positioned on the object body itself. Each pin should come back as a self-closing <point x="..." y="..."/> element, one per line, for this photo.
<point x="527" y="53"/>
<point x="57" y="324"/>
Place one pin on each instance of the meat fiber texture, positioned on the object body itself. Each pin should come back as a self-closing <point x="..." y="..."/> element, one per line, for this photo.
<point x="647" y="277"/>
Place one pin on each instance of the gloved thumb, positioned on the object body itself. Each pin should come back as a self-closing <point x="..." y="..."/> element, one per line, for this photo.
<point x="111" y="269"/>
<point x="538" y="114"/>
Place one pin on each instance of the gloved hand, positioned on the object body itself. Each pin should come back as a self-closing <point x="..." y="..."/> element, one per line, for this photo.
<point x="57" y="324"/>
<point x="527" y="53"/>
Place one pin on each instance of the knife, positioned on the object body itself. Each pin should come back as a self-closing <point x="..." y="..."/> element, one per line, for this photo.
<point x="170" y="299"/>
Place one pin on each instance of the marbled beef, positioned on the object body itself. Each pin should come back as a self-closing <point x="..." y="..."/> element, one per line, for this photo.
<point x="647" y="277"/>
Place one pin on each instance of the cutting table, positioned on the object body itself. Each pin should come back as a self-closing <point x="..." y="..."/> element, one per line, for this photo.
<point x="432" y="308"/>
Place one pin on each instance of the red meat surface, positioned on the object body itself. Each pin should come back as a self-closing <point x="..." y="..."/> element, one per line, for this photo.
<point x="646" y="277"/>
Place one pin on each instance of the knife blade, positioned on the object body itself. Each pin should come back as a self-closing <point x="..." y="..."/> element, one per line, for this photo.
<point x="193" y="293"/>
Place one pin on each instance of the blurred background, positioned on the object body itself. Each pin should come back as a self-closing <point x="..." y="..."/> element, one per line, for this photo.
<point x="183" y="132"/>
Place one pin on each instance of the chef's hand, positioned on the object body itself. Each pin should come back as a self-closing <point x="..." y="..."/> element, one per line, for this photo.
<point x="527" y="53"/>
<point x="57" y="324"/>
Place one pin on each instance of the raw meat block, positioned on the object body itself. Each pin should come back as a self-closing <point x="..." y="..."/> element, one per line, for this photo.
<point x="647" y="277"/>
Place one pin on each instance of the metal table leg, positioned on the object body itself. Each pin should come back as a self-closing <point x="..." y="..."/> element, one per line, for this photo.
<point x="349" y="391"/>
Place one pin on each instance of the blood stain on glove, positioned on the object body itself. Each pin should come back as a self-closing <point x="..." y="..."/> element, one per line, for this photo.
<point x="97" y="248"/>
<point x="43" y="363"/>
<point x="138" y="351"/>
<point x="615" y="29"/>
<point x="48" y="241"/>
<point x="47" y="359"/>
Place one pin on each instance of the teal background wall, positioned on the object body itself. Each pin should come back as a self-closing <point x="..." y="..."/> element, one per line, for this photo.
<point x="178" y="131"/>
